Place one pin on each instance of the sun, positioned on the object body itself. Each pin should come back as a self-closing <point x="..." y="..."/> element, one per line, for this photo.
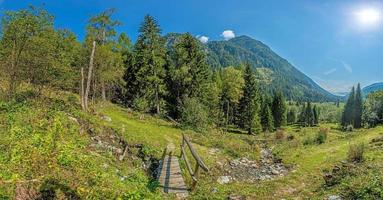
<point x="368" y="17"/>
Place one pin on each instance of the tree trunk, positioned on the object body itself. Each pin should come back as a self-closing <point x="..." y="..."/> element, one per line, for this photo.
<point x="82" y="89"/>
<point x="103" y="93"/>
<point x="89" y="75"/>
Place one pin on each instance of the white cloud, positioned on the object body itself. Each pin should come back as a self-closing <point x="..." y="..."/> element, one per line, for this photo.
<point x="203" y="39"/>
<point x="228" y="34"/>
<point x="330" y="71"/>
<point x="346" y="66"/>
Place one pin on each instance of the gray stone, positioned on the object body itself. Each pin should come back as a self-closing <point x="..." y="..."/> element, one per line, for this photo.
<point x="106" y="118"/>
<point x="224" y="180"/>
<point x="334" y="197"/>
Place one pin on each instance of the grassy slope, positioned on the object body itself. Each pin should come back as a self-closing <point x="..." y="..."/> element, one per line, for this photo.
<point x="38" y="141"/>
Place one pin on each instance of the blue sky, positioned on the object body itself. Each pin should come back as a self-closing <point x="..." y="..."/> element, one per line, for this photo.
<point x="326" y="39"/>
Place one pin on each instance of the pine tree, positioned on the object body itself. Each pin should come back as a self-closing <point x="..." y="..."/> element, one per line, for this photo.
<point x="309" y="115"/>
<point x="279" y="110"/>
<point x="188" y="74"/>
<point x="358" y="108"/>
<point x="267" y="120"/>
<point x="249" y="103"/>
<point x="302" y="116"/>
<point x="316" y="115"/>
<point x="150" y="60"/>
<point x="291" y="116"/>
<point x="349" y="108"/>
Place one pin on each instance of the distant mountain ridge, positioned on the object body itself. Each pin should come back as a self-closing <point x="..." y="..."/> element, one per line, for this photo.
<point x="372" y="88"/>
<point x="294" y="84"/>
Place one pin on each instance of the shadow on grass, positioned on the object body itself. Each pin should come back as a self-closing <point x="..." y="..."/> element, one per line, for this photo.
<point x="51" y="187"/>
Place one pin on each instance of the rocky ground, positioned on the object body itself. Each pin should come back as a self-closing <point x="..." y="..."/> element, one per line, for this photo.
<point x="243" y="169"/>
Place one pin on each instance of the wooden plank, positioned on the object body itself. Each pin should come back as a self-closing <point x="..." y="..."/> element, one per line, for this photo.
<point x="170" y="176"/>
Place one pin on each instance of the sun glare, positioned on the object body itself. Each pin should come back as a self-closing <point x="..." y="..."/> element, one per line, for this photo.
<point x="368" y="17"/>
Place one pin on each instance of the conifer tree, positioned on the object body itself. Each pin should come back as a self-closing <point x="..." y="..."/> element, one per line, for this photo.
<point x="349" y="108"/>
<point x="358" y="107"/>
<point x="150" y="60"/>
<point x="316" y="115"/>
<point x="249" y="103"/>
<point x="267" y="120"/>
<point x="309" y="115"/>
<point x="302" y="116"/>
<point x="279" y="110"/>
<point x="188" y="74"/>
<point x="291" y="116"/>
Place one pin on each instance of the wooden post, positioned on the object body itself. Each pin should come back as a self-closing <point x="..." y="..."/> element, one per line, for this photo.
<point x="196" y="171"/>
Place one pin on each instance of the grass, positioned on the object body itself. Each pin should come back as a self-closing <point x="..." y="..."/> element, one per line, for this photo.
<point x="40" y="146"/>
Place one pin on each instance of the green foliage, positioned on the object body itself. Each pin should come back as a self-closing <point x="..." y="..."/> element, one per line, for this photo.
<point x="373" y="109"/>
<point x="321" y="136"/>
<point x="194" y="115"/>
<point x="353" y="110"/>
<point x="149" y="65"/>
<point x="356" y="152"/>
<point x="267" y="120"/>
<point x="371" y="188"/>
<point x="276" y="73"/>
<point x="279" y="110"/>
<point x="249" y="104"/>
<point x="188" y="74"/>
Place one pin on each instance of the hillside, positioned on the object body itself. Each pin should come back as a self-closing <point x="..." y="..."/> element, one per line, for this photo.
<point x="54" y="150"/>
<point x="372" y="88"/>
<point x="283" y="75"/>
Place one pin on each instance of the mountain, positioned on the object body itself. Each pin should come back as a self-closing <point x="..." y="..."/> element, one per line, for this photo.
<point x="372" y="88"/>
<point x="277" y="72"/>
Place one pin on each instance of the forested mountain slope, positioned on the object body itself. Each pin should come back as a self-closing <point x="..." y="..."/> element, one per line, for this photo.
<point x="278" y="72"/>
<point x="372" y="88"/>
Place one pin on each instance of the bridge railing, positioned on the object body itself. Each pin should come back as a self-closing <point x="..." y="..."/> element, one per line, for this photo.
<point x="199" y="163"/>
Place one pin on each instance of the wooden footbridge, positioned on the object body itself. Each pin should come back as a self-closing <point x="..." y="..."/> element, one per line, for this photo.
<point x="170" y="175"/>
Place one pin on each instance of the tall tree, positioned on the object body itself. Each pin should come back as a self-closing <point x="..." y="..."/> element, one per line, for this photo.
<point x="279" y="110"/>
<point x="291" y="116"/>
<point x="150" y="60"/>
<point x="188" y="74"/>
<point x="232" y="84"/>
<point x="267" y="120"/>
<point x="315" y="115"/>
<point x="358" y="107"/>
<point x="101" y="29"/>
<point x="249" y="104"/>
<point x="21" y="32"/>
<point x="349" y="109"/>
<point x="309" y="115"/>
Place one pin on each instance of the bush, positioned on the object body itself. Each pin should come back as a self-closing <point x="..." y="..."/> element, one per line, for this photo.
<point x="356" y="153"/>
<point x="322" y="135"/>
<point x="194" y="115"/>
<point x="280" y="134"/>
<point x="141" y="105"/>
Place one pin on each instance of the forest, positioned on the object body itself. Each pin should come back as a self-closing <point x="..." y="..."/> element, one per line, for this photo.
<point x="48" y="73"/>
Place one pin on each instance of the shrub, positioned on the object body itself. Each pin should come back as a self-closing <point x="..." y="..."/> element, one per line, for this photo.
<point x="194" y="115"/>
<point x="322" y="135"/>
<point x="308" y="141"/>
<point x="141" y="105"/>
<point x="370" y="188"/>
<point x="356" y="152"/>
<point x="280" y="134"/>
